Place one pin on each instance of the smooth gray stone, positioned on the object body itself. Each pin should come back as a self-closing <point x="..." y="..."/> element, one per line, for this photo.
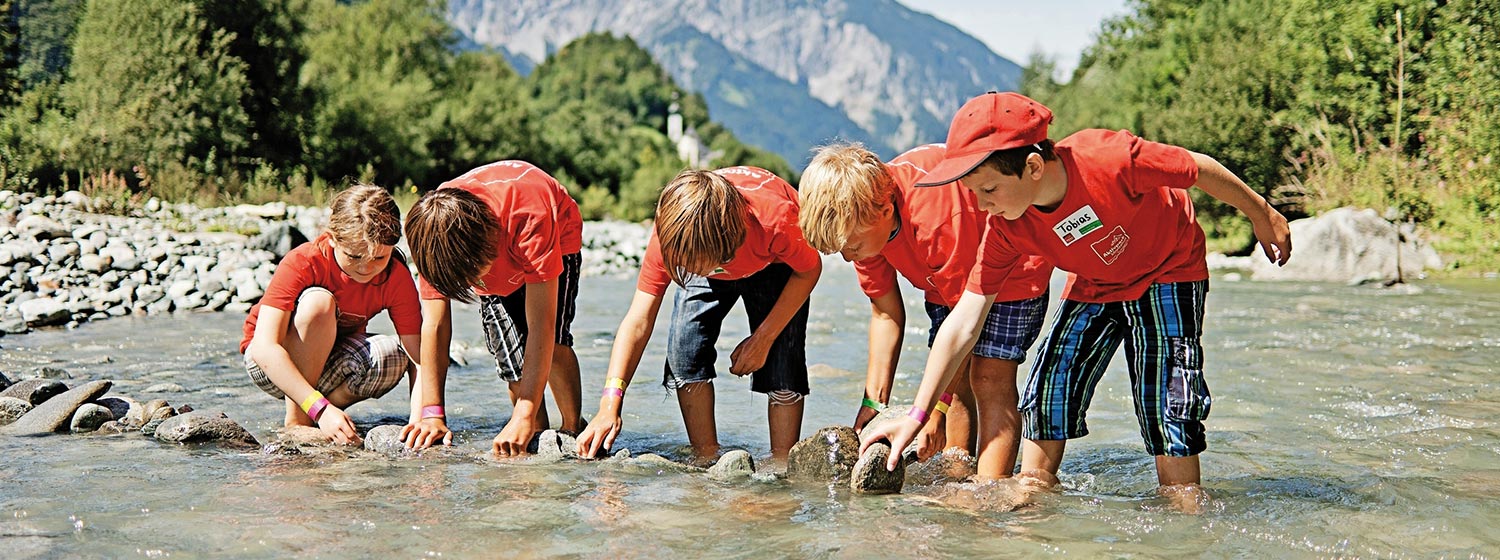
<point x="12" y="408"/>
<point x="112" y="427"/>
<point x="733" y="465"/>
<point x="49" y="372"/>
<point x="660" y="465"/>
<point x="164" y="388"/>
<point x="89" y="417"/>
<point x="385" y="440"/>
<point x="35" y="391"/>
<point x="205" y="427"/>
<point x="870" y="475"/>
<point x="551" y="446"/>
<point x="53" y="415"/>
<point x="43" y="312"/>
<point x="4" y="382"/>
<point x="164" y="413"/>
<point x="824" y="457"/>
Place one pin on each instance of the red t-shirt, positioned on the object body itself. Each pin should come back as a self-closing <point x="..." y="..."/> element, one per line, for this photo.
<point x="312" y="264"/>
<point x="938" y="240"/>
<point x="1125" y="222"/>
<point x="771" y="234"/>
<point x="539" y="224"/>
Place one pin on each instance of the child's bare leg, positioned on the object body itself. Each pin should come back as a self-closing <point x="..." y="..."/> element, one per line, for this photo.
<point x="697" y="403"/>
<point x="784" y="414"/>
<point x="999" y="421"/>
<point x="1180" y="479"/>
<point x="567" y="389"/>
<point x="1040" y="459"/>
<point x="961" y="420"/>
<point x="309" y="338"/>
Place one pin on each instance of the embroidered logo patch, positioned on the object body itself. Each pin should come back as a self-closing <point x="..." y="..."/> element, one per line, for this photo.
<point x="1077" y="225"/>
<point x="1112" y="246"/>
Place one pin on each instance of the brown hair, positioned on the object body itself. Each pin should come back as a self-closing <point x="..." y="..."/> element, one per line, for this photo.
<point x="452" y="236"/>
<point x="1011" y="162"/>
<point x="844" y="187"/>
<point x="700" y="222"/>
<point x="364" y="216"/>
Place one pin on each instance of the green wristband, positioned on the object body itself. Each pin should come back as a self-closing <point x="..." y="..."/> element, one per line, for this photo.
<point x="872" y="405"/>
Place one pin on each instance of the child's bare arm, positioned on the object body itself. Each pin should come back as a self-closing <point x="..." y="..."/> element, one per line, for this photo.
<point x="887" y="329"/>
<point x="1270" y="226"/>
<point x="750" y="355"/>
<point x="630" y="343"/>
<point x="536" y="367"/>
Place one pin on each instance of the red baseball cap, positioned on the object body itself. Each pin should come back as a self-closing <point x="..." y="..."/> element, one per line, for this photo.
<point x="988" y="123"/>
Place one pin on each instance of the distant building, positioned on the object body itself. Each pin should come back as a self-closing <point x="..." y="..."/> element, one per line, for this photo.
<point x="690" y="147"/>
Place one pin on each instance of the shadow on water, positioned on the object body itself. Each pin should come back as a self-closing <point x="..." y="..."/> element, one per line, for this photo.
<point x="1347" y="421"/>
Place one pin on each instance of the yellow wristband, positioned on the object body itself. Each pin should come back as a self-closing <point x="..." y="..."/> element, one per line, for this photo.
<point x="941" y="407"/>
<point x="615" y="383"/>
<point x="311" y="400"/>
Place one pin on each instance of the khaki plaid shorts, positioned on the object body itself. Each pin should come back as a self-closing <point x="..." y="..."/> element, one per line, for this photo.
<point x="371" y="365"/>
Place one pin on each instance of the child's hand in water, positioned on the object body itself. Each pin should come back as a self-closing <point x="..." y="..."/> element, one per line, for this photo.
<point x="338" y="426"/>
<point x="898" y="433"/>
<point x="426" y="433"/>
<point x="513" y="439"/>
<point x="600" y="434"/>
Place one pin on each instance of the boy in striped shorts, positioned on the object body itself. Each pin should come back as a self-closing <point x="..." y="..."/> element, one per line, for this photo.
<point x="1113" y="209"/>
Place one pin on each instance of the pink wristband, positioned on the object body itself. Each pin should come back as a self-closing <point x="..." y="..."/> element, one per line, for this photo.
<point x="316" y="409"/>
<point x="917" y="414"/>
<point x="614" y="392"/>
<point x="432" y="411"/>
<point x="947" y="398"/>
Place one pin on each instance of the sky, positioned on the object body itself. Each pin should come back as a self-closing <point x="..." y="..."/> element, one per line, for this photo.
<point x="1016" y="28"/>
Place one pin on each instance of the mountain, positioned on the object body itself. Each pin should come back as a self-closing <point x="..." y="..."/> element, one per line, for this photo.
<point x="786" y="75"/>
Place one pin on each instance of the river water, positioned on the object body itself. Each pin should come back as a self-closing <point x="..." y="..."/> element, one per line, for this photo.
<point x="1348" y="421"/>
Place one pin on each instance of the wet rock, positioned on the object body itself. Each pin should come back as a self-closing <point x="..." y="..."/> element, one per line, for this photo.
<point x="952" y="465"/>
<point x="733" y="466"/>
<point x="824" y="457"/>
<point x="89" y="417"/>
<point x="652" y="462"/>
<point x="112" y="427"/>
<point x="552" y="446"/>
<point x="385" y="440"/>
<point x="163" y="413"/>
<point x="119" y="407"/>
<point x="205" y="427"/>
<point x="35" y="391"/>
<point x="12" y="408"/>
<point x="49" y="372"/>
<point x="184" y="409"/>
<point x="150" y="408"/>
<point x="53" y="415"/>
<point x="1351" y="246"/>
<point x="4" y="382"/>
<point x="164" y="388"/>
<point x="870" y="475"/>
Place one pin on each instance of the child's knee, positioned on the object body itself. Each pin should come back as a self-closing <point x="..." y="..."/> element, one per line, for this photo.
<point x="784" y="398"/>
<point x="316" y="304"/>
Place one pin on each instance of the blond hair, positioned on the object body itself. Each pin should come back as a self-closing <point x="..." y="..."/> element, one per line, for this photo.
<point x="844" y="187"/>
<point x="700" y="223"/>
<point x="452" y="235"/>
<point x="364" y="216"/>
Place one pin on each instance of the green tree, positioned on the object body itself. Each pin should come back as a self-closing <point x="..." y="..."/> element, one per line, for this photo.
<point x="151" y="85"/>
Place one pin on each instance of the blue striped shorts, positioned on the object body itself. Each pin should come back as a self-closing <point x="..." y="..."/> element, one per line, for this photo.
<point x="1009" y="329"/>
<point x="1162" y="333"/>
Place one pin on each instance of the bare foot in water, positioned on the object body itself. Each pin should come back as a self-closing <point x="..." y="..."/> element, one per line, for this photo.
<point x="1191" y="499"/>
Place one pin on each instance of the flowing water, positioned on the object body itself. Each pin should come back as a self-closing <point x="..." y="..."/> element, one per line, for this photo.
<point x="1348" y="421"/>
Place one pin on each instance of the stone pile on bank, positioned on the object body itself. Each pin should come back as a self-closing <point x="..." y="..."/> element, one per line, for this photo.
<point x="61" y="263"/>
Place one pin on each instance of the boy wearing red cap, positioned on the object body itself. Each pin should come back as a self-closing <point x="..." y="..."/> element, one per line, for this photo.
<point x="1113" y="210"/>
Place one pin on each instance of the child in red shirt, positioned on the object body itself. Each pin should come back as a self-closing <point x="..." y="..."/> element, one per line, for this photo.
<point x="1113" y="210"/>
<point x="873" y="214"/>
<point x="720" y="236"/>
<point x="306" y="338"/>
<point x="508" y="234"/>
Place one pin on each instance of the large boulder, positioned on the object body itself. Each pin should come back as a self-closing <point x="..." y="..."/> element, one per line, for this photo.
<point x="41" y="312"/>
<point x="205" y="427"/>
<point x="824" y="457"/>
<point x="1350" y="246"/>
<point x="55" y="414"/>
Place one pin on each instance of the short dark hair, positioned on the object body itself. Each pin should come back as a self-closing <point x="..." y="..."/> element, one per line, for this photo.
<point x="452" y="235"/>
<point x="1011" y="162"/>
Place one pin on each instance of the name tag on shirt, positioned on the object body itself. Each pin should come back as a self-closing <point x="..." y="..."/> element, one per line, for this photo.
<point x="1077" y="225"/>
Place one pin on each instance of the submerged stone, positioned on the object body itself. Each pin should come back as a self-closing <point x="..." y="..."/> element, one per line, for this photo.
<point x="732" y="466"/>
<point x="551" y="446"/>
<point x="870" y="475"/>
<point x="51" y="416"/>
<point x="385" y="440"/>
<point x="660" y="465"/>
<point x="824" y="457"/>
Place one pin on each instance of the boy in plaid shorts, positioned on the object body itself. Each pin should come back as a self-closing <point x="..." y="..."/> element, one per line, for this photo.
<point x="874" y="216"/>
<point x="508" y="234"/>
<point x="1112" y="209"/>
